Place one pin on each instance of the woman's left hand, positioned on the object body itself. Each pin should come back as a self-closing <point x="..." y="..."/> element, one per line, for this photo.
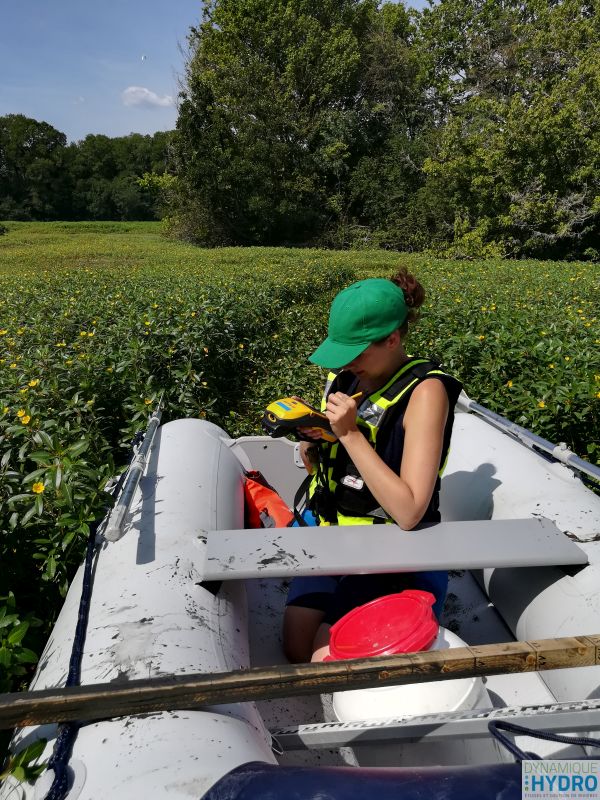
<point x="341" y="413"/>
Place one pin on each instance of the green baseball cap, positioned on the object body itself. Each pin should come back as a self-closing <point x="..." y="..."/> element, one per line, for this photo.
<point x="363" y="313"/>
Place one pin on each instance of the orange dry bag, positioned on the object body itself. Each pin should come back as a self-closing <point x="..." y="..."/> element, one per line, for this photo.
<point x="263" y="506"/>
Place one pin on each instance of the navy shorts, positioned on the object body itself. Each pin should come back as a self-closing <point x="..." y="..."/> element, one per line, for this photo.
<point x="336" y="596"/>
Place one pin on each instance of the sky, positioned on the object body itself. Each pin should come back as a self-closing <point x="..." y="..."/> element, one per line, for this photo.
<point x="96" y="66"/>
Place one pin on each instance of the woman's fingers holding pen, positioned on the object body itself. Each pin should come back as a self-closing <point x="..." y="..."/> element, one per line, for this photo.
<point x="341" y="413"/>
<point x="339" y="399"/>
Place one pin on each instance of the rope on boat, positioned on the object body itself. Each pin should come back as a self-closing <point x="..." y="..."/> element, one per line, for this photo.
<point x="495" y="727"/>
<point x="67" y="732"/>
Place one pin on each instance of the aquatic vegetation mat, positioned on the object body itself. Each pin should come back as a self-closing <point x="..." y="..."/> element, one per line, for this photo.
<point x="98" y="319"/>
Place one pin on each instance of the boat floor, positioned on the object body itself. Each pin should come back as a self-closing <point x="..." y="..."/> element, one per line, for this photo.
<point x="467" y="612"/>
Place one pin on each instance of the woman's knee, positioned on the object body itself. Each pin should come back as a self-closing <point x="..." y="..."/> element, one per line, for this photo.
<point x="300" y="626"/>
<point x="320" y="646"/>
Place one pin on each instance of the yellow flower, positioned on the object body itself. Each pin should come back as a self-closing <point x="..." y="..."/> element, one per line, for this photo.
<point x="25" y="420"/>
<point x="5" y="410"/>
<point x="109" y="369"/>
<point x="550" y="366"/>
<point x="34" y="382"/>
<point x="541" y="404"/>
<point x="21" y="412"/>
<point x="147" y="401"/>
<point x="597" y="395"/>
<point x="38" y="487"/>
<point x="13" y="365"/>
<point x="3" y="332"/>
<point x="567" y="358"/>
<point x="83" y="333"/>
<point x="91" y="333"/>
<point x="509" y="384"/>
<point x="481" y="337"/>
<point x="147" y="322"/>
<point x="241" y="346"/>
<point x="60" y="344"/>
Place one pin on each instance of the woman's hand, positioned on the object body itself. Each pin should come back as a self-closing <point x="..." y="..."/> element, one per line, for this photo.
<point x="341" y="413"/>
<point x="311" y="433"/>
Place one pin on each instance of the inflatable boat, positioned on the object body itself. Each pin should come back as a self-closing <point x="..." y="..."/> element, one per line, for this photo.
<point x="182" y="588"/>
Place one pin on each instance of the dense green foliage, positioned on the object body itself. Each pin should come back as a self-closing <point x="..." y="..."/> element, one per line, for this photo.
<point x="223" y="332"/>
<point x="471" y="129"/>
<point x="43" y="178"/>
<point x="285" y="103"/>
<point x="517" y="160"/>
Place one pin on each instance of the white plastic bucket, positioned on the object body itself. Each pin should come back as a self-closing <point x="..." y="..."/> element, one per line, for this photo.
<point x="401" y="702"/>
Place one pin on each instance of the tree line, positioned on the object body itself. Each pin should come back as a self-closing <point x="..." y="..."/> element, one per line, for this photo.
<point x="44" y="178"/>
<point x="471" y="128"/>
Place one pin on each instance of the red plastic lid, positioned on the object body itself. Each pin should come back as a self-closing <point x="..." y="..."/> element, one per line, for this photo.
<point x="396" y="623"/>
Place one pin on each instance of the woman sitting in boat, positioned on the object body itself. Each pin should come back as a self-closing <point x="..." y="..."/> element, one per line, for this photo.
<point x="392" y="415"/>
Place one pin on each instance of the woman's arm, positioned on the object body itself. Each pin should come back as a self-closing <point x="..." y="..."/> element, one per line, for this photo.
<point x="406" y="496"/>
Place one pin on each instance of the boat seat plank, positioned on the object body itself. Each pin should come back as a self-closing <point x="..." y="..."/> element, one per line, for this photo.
<point x="364" y="549"/>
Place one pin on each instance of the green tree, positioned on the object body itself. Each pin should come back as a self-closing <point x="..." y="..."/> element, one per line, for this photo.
<point x="33" y="184"/>
<point x="283" y="99"/>
<point x="97" y="178"/>
<point x="518" y="104"/>
<point x="105" y="173"/>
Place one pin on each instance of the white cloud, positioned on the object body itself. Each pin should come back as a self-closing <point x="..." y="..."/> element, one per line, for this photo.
<point x="140" y="96"/>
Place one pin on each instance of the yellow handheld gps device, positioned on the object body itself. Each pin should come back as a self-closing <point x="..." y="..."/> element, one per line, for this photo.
<point x="285" y="416"/>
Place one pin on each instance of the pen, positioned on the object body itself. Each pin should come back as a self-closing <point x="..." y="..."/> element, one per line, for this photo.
<point x="355" y="396"/>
